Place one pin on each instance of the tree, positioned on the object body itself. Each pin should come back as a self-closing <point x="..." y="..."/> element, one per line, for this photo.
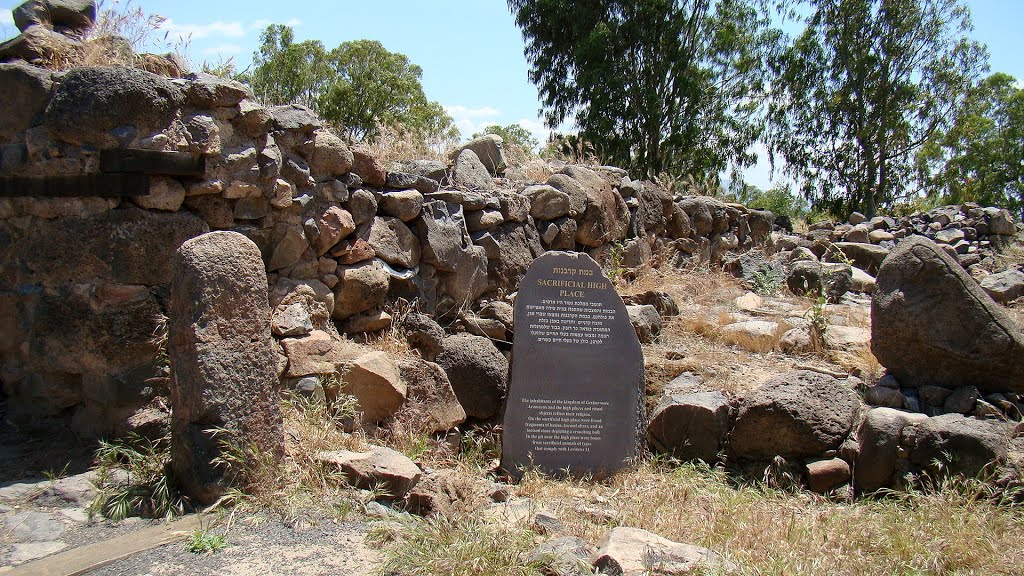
<point x="656" y="85"/>
<point x="285" y="72"/>
<point x="513" y="134"/>
<point x="359" y="86"/>
<point x="981" y="157"/>
<point x="780" y="199"/>
<point x="862" y="89"/>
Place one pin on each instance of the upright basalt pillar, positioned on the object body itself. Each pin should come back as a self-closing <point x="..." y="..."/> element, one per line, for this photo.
<point x="223" y="365"/>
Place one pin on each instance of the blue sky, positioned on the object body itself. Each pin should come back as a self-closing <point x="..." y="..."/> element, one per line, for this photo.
<point x="471" y="51"/>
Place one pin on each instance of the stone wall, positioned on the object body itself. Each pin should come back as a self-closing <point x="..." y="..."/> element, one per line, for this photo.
<point x="84" y="280"/>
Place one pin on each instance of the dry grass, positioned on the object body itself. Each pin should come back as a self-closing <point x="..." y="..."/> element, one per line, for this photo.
<point x="530" y="170"/>
<point x="301" y="483"/>
<point x="395" y="144"/>
<point x="123" y="30"/>
<point x="773" y="532"/>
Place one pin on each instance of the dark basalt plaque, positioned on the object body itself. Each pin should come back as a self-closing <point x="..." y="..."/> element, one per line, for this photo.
<point x="576" y="387"/>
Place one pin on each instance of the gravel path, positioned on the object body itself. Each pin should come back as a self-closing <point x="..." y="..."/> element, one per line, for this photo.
<point x="259" y="546"/>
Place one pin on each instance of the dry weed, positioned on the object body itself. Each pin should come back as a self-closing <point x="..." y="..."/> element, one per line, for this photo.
<point x="395" y="144"/>
<point x="121" y="33"/>
<point x="781" y="533"/>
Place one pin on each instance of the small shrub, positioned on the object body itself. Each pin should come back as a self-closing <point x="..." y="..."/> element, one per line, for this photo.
<point x="818" y="323"/>
<point x="148" y="487"/>
<point x="203" y="541"/>
<point x="766" y="282"/>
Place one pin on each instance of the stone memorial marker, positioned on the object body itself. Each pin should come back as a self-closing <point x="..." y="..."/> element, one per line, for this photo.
<point x="576" y="387"/>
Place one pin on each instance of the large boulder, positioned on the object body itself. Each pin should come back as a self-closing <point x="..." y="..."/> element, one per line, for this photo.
<point x="223" y="360"/>
<point x="25" y="91"/>
<point x="72" y="15"/>
<point x="510" y="249"/>
<point x="645" y="321"/>
<point x="813" y="279"/>
<point x="654" y="214"/>
<point x="362" y="287"/>
<point x="1004" y="286"/>
<point x="394" y="242"/>
<point x="577" y="194"/>
<point x="690" y="426"/>
<point x="318" y="353"/>
<point x="469" y="279"/>
<point x="879" y="442"/>
<point x="432" y="403"/>
<point x="799" y="414"/>
<point x="91" y="102"/>
<point x="126" y="246"/>
<point x="954" y="444"/>
<point x="632" y="551"/>
<point x="329" y="155"/>
<point x="489" y="149"/>
<point x="374" y="380"/>
<point x="377" y="468"/>
<point x="442" y="233"/>
<point x="698" y="210"/>
<point x="477" y="371"/>
<point x="867" y="257"/>
<point x="606" y="217"/>
<point x="931" y="324"/>
<point x="38" y="44"/>
<point x="470" y="174"/>
<point x="547" y="202"/>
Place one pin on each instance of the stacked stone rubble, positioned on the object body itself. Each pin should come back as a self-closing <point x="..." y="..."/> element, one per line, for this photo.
<point x="342" y="236"/>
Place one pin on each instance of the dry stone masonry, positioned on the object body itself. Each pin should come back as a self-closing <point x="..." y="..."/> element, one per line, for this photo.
<point x="340" y="236"/>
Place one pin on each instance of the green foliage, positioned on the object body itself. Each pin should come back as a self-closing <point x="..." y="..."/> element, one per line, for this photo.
<point x="203" y="541"/>
<point x="779" y="199"/>
<point x="656" y="85"/>
<point x="766" y="282"/>
<point x="512" y="134"/>
<point x="147" y="488"/>
<point x="818" y="321"/>
<point x="615" y="268"/>
<point x="359" y="86"/>
<point x="861" y="90"/>
<point x="979" y="159"/>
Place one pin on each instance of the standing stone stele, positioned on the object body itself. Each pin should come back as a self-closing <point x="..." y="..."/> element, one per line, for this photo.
<point x="223" y="364"/>
<point x="576" y="385"/>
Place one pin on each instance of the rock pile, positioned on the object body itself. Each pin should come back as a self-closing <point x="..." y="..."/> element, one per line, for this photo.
<point x="341" y="236"/>
<point x="824" y="434"/>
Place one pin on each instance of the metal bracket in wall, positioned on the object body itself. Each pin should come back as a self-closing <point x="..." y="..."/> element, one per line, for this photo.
<point x="77" y="186"/>
<point x="152" y="162"/>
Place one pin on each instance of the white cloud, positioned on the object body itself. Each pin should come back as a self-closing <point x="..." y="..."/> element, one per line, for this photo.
<point x="472" y="120"/>
<point x="199" y="31"/>
<point x="6" y="19"/>
<point x="223" y="49"/>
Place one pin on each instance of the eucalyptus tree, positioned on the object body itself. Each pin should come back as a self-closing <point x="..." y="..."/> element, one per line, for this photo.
<point x="862" y="88"/>
<point x="981" y="157"/>
<point x="654" y="85"/>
